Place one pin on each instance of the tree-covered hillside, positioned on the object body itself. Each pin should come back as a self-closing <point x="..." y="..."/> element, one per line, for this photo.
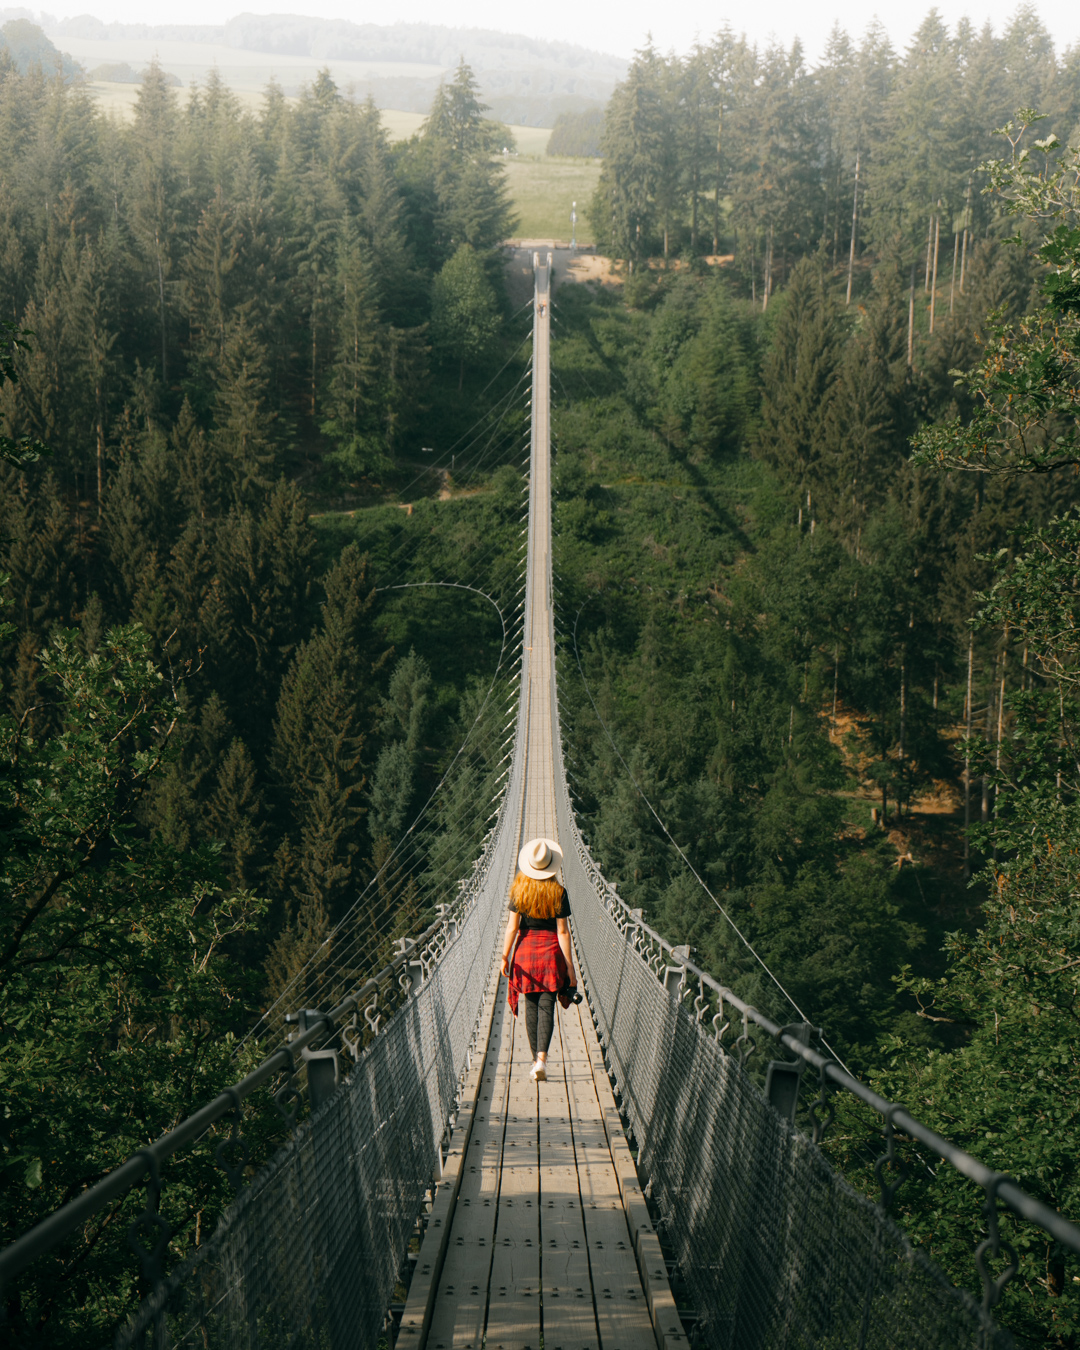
<point x="843" y="675"/>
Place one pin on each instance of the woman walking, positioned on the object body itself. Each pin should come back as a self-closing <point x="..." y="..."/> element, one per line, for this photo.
<point x="537" y="957"/>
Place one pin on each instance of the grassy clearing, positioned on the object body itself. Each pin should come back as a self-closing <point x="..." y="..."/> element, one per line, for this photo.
<point x="543" y="190"/>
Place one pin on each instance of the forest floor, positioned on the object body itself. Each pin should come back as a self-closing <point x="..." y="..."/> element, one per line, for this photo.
<point x="929" y="830"/>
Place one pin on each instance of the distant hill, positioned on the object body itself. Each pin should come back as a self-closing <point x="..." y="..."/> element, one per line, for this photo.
<point x="528" y="81"/>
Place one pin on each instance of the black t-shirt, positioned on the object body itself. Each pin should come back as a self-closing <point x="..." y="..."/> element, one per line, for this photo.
<point x="544" y="925"/>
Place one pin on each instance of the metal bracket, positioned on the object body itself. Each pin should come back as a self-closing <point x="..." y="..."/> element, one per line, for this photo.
<point x="822" y="1112"/>
<point x="672" y="978"/>
<point x="784" y="1076"/>
<point x="287" y="1092"/>
<point x="412" y="978"/>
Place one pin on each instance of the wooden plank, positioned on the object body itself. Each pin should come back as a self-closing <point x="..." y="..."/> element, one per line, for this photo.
<point x="667" y="1324"/>
<point x="457" y="1320"/>
<point x="513" y="1321"/>
<point x="416" y="1318"/>
<point x="622" y="1310"/>
<point x="569" y="1312"/>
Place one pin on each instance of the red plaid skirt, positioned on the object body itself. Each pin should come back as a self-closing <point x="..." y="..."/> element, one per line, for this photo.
<point x="538" y="966"/>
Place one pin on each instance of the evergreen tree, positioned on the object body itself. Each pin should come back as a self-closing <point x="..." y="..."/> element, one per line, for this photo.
<point x="464" y="311"/>
<point x="799" y="377"/>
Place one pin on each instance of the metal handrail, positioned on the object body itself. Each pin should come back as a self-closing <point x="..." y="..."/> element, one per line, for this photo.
<point x="57" y="1225"/>
<point x="1018" y="1200"/>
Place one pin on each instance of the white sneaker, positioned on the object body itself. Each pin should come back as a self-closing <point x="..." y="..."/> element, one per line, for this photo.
<point x="538" y="1072"/>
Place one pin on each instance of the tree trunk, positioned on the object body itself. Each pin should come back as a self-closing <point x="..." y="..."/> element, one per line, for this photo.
<point x="933" y="283"/>
<point x="911" y="320"/>
<point x="719" y="176"/>
<point x="1001" y="713"/>
<point x="903" y="732"/>
<point x="952" y="285"/>
<point x="161" y="312"/>
<point x="854" y="224"/>
<point x="766" y="281"/>
<point x="929" y="252"/>
<point x="694" y="201"/>
<point x="835" y="681"/>
<point x="967" y="762"/>
<point x="753" y="268"/>
<point x="984" y="811"/>
<point x="964" y="241"/>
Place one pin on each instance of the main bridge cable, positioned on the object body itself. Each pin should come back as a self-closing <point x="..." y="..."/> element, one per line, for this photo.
<point x="409" y="838"/>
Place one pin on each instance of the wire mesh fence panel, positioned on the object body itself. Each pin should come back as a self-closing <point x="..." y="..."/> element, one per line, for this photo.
<point x="777" y="1251"/>
<point x="309" y="1254"/>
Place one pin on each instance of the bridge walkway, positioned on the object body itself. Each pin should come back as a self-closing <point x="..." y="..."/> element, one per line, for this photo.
<point x="539" y="1235"/>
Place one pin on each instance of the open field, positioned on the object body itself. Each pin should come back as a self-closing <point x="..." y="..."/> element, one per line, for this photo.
<point x="241" y="70"/>
<point x="543" y="190"/>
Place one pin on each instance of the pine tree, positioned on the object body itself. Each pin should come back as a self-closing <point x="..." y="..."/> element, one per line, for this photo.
<point x="464" y="311"/>
<point x="632" y="205"/>
<point x="319" y="740"/>
<point x="234" y="817"/>
<point x="260" y="606"/>
<point x="153" y="197"/>
<point x="244" y="434"/>
<point x="799" y="376"/>
<point x="455" y="152"/>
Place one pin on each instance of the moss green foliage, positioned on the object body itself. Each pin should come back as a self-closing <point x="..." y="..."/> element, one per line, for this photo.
<point x="117" y="998"/>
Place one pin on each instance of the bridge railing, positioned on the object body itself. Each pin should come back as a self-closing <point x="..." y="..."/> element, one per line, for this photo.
<point x="775" y="1247"/>
<point x="311" y="1249"/>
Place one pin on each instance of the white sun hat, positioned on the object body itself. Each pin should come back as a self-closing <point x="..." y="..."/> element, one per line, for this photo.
<point x="540" y="859"/>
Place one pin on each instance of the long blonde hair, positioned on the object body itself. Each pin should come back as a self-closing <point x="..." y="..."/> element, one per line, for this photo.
<point x="536" y="899"/>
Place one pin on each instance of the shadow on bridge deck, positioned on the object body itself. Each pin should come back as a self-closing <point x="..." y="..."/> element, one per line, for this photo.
<point x="538" y="1228"/>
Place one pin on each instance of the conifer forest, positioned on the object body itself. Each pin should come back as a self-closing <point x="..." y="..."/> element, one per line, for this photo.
<point x="817" y="437"/>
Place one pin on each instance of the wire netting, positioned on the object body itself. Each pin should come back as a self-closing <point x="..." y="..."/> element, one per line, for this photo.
<point x="777" y="1251"/>
<point x="310" y="1252"/>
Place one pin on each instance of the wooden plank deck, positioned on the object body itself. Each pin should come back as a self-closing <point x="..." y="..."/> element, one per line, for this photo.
<point x="540" y="1245"/>
<point x="549" y="1241"/>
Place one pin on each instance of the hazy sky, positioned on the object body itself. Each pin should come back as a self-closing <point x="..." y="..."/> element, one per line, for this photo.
<point x="611" y="26"/>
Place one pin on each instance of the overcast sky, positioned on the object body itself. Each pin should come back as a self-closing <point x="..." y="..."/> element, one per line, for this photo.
<point x="613" y="25"/>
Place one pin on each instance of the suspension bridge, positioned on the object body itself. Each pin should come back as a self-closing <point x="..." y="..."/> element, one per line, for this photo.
<point x="653" y="1172"/>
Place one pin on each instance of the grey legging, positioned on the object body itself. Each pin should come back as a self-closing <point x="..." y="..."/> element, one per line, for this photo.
<point x="539" y="1020"/>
